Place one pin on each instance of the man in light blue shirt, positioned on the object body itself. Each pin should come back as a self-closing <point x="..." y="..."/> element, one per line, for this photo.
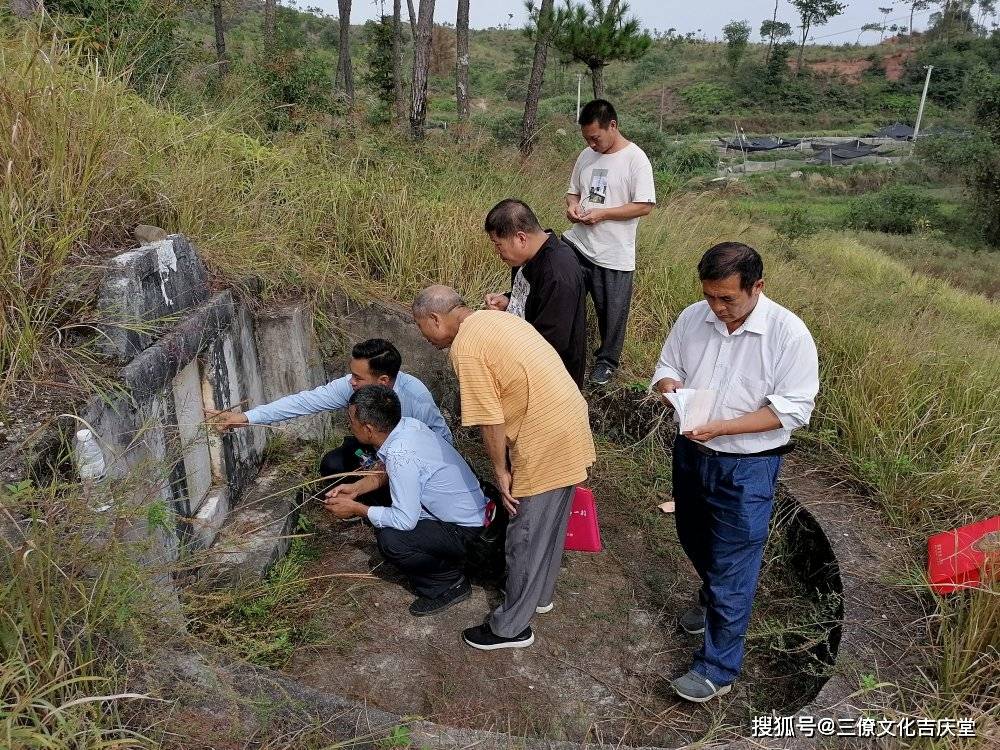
<point x="437" y="501"/>
<point x="375" y="361"/>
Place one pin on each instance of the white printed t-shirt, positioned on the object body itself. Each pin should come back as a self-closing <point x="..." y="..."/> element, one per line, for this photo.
<point x="610" y="181"/>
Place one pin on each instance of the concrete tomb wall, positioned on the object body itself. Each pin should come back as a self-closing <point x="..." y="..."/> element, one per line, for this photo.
<point x="183" y="350"/>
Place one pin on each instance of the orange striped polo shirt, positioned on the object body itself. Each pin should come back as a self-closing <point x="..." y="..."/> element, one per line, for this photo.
<point x="508" y="374"/>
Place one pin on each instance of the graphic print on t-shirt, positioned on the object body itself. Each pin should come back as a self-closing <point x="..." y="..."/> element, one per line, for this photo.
<point x="519" y="292"/>
<point x="598" y="186"/>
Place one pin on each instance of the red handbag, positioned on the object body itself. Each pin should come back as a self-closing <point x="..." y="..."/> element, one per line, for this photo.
<point x="583" y="534"/>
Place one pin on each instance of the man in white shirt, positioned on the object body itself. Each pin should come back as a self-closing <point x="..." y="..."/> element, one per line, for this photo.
<point x="758" y="363"/>
<point x="611" y="187"/>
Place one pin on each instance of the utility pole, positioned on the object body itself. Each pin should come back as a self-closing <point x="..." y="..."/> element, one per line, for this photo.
<point x="923" y="101"/>
<point x="579" y="83"/>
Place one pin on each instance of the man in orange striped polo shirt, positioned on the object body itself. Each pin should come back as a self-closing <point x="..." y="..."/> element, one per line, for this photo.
<point x="536" y="430"/>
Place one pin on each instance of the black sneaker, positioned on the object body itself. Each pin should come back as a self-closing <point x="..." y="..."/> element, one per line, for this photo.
<point x="601" y="374"/>
<point x="692" y="621"/>
<point x="423" y="605"/>
<point x="483" y="638"/>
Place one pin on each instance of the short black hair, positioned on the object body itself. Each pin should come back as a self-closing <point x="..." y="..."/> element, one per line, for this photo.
<point x="510" y="216"/>
<point x="728" y="258"/>
<point x="377" y="405"/>
<point x="600" y="111"/>
<point x="383" y="358"/>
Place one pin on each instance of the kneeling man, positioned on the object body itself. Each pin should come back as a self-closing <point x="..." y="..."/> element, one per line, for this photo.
<point x="437" y="502"/>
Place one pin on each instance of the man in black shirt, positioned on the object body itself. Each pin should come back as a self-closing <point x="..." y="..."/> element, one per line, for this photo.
<point x="547" y="284"/>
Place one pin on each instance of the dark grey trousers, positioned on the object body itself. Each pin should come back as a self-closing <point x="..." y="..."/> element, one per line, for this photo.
<point x="536" y="537"/>
<point x="612" y="295"/>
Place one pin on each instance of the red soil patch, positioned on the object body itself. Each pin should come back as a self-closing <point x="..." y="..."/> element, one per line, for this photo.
<point x="852" y="70"/>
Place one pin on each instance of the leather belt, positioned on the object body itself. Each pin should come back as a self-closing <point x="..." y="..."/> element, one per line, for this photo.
<point x="703" y="449"/>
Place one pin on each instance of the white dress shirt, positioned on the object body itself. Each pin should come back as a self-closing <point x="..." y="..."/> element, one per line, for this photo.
<point x="769" y="360"/>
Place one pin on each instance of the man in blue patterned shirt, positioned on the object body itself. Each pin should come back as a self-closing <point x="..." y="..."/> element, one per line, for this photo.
<point x="373" y="362"/>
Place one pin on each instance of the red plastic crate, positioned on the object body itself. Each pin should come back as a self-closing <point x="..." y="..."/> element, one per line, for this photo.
<point x="583" y="534"/>
<point x="959" y="559"/>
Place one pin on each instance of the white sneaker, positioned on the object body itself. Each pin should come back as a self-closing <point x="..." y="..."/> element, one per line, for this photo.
<point x="547" y="608"/>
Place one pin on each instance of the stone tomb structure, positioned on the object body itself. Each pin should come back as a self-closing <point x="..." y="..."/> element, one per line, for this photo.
<point x="184" y="348"/>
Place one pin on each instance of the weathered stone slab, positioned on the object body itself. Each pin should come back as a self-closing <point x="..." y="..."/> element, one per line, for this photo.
<point x="155" y="368"/>
<point x="208" y="521"/>
<point x="147" y="285"/>
<point x="256" y="534"/>
<point x="190" y="417"/>
<point x="232" y="381"/>
<point x="290" y="362"/>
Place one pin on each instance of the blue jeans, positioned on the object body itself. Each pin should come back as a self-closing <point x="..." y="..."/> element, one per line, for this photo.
<point x="723" y="510"/>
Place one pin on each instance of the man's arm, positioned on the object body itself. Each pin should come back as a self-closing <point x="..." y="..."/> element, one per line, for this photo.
<point x="669" y="374"/>
<point x="406" y="489"/>
<point x="342" y="500"/>
<point x="573" y="208"/>
<point x="330" y="397"/>
<point x="619" y="213"/>
<point x="495" y="441"/>
<point x="762" y="420"/>
<point x="559" y="299"/>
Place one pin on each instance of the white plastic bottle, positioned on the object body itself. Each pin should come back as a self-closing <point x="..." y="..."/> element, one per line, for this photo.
<point x="91" y="467"/>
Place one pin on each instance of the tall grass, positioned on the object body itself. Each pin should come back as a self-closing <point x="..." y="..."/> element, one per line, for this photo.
<point x="63" y="598"/>
<point x="910" y="366"/>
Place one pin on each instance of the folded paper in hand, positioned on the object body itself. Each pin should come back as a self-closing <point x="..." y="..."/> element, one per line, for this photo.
<point x="693" y="406"/>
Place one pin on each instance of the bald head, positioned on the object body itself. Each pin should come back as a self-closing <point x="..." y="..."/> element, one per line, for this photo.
<point x="436" y="299"/>
<point x="439" y="311"/>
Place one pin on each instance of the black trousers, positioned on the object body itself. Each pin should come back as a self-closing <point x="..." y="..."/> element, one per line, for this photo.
<point x="612" y="294"/>
<point x="344" y="459"/>
<point x="431" y="556"/>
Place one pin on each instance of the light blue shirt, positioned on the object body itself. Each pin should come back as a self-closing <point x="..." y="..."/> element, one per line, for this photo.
<point x="424" y="469"/>
<point x="415" y="399"/>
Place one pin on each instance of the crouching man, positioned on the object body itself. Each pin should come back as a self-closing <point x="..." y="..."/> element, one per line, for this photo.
<point x="437" y="502"/>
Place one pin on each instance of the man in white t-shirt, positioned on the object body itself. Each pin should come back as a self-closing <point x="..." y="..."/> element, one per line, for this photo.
<point x="611" y="187"/>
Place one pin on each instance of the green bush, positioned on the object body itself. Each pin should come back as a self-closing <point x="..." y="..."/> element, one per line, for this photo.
<point x="897" y="209"/>
<point x="687" y="159"/>
<point x="710" y="98"/>
<point x="795" y="224"/>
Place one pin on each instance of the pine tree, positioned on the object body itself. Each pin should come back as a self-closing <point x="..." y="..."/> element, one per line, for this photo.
<point x="543" y="25"/>
<point x="599" y="35"/>
<point x="345" y="74"/>
<point x="421" y="65"/>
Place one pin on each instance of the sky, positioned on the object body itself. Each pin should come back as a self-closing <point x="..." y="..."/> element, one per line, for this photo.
<point x="708" y="15"/>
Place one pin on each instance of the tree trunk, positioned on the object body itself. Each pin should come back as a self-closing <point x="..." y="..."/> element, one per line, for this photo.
<point x="770" y="41"/>
<point x="220" y="38"/>
<point x="597" y="75"/>
<point x="802" y="47"/>
<point x="345" y="76"/>
<point x="912" y="8"/>
<point x="413" y="20"/>
<point x="268" y="28"/>
<point x="397" y="60"/>
<point x="462" y="61"/>
<point x="421" y="63"/>
<point x="25" y="8"/>
<point x="542" y="39"/>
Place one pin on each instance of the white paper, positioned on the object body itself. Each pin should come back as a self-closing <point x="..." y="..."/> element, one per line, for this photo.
<point x="693" y="406"/>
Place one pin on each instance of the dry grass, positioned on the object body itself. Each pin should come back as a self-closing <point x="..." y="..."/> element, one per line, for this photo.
<point x="911" y="366"/>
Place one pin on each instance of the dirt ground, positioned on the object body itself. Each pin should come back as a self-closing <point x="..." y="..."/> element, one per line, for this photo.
<point x="602" y="659"/>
